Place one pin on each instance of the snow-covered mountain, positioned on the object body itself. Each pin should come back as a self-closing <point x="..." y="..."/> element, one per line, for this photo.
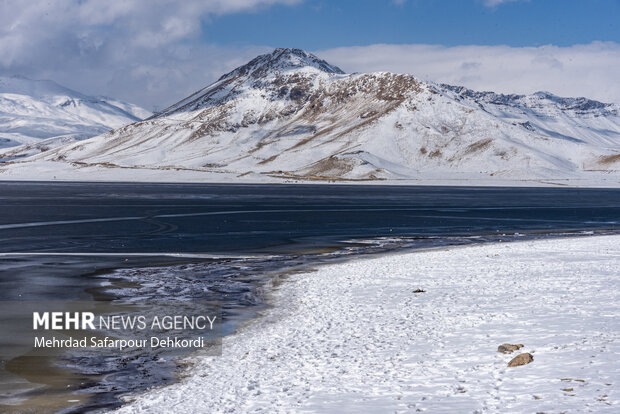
<point x="290" y="115"/>
<point x="38" y="114"/>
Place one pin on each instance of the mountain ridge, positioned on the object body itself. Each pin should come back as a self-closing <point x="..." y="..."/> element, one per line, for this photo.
<point x="289" y="115"/>
<point x="39" y="114"/>
<point x="581" y="105"/>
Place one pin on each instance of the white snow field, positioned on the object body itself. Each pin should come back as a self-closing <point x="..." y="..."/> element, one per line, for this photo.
<point x="354" y="337"/>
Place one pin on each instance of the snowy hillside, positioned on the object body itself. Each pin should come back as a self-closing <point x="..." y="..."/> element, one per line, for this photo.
<point x="43" y="114"/>
<point x="290" y="116"/>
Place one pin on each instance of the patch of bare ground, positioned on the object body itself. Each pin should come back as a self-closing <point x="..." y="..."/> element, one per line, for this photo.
<point x="609" y="159"/>
<point x="81" y="164"/>
<point x="266" y="140"/>
<point x="478" y="146"/>
<point x="334" y="168"/>
<point x="267" y="160"/>
<point x="301" y="177"/>
<point x="472" y="149"/>
<point x="330" y="166"/>
<point x="435" y="154"/>
<point x="304" y="141"/>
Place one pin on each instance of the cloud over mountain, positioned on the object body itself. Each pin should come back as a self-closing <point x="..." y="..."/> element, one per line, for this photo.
<point x="579" y="70"/>
<point x="142" y="51"/>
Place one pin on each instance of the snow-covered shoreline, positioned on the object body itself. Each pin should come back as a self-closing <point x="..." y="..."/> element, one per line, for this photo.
<point x="47" y="171"/>
<point x="354" y="337"/>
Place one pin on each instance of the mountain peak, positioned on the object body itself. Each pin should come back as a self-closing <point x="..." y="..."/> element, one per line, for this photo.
<point x="21" y="85"/>
<point x="282" y="59"/>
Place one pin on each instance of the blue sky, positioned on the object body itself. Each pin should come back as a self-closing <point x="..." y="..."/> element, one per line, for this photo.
<point x="323" y="24"/>
<point x="155" y="52"/>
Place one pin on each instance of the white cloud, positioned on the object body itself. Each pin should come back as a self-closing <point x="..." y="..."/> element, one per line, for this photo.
<point x="145" y="51"/>
<point x="581" y="70"/>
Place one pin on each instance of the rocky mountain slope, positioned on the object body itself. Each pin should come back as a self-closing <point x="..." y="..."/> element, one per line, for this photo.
<point x="290" y="115"/>
<point x="36" y="115"/>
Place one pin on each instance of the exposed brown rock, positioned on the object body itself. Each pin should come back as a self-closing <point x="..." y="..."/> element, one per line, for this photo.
<point x="609" y="159"/>
<point x="509" y="348"/>
<point x="419" y="291"/>
<point x="521" y="359"/>
<point x="478" y="146"/>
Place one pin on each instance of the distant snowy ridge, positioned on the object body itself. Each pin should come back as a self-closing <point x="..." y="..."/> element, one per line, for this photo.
<point x="41" y="114"/>
<point x="289" y="115"/>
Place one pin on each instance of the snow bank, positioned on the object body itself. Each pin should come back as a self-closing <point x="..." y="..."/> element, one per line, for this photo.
<point x="354" y="337"/>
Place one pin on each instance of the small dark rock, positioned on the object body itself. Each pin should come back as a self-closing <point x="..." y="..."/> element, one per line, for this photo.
<point x="419" y="291"/>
